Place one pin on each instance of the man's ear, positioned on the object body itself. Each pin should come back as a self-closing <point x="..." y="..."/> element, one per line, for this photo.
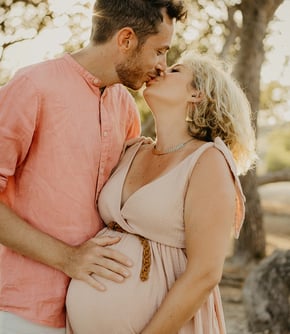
<point x="126" y="39"/>
<point x="196" y="96"/>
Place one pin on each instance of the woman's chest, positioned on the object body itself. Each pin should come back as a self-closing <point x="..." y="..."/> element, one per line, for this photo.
<point x="144" y="170"/>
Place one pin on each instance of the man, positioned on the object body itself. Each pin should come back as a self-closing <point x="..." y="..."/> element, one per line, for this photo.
<point x="63" y="124"/>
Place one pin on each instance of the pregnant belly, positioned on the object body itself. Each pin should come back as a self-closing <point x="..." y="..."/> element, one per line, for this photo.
<point x="123" y="308"/>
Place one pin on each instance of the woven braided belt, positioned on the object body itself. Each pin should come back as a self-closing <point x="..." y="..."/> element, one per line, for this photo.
<point x="146" y="259"/>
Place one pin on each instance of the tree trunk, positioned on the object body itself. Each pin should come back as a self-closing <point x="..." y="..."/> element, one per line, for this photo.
<point x="251" y="244"/>
<point x="256" y="16"/>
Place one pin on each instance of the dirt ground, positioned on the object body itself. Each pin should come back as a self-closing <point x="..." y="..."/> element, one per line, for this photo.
<point x="275" y="200"/>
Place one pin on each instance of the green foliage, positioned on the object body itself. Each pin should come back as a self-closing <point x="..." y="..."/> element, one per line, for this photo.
<point x="53" y="28"/>
<point x="142" y="106"/>
<point x="274" y="99"/>
<point x="22" y="20"/>
<point x="278" y="153"/>
<point x="273" y="93"/>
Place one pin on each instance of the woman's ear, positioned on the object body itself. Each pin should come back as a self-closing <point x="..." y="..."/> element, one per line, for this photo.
<point x="126" y="39"/>
<point x="196" y="96"/>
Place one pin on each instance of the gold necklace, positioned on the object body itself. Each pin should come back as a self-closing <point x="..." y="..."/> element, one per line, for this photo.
<point x="171" y="149"/>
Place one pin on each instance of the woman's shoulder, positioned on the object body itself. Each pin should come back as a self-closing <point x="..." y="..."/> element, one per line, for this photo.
<point x="215" y="153"/>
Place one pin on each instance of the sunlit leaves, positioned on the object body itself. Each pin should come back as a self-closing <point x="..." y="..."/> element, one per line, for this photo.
<point x="42" y="28"/>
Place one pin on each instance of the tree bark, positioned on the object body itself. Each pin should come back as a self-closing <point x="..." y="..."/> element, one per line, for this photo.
<point x="256" y="16"/>
<point x="251" y="244"/>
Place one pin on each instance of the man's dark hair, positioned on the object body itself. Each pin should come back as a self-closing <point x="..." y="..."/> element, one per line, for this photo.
<point x="143" y="16"/>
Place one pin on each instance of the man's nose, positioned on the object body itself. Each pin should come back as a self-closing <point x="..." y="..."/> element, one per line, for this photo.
<point x="161" y="66"/>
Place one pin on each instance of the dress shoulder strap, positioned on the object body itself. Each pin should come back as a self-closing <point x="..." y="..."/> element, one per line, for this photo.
<point x="240" y="198"/>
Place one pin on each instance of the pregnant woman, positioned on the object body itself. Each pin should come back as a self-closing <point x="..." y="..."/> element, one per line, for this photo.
<point x="173" y="203"/>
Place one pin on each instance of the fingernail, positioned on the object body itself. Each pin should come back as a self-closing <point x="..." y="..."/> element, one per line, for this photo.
<point x="129" y="263"/>
<point x="126" y="273"/>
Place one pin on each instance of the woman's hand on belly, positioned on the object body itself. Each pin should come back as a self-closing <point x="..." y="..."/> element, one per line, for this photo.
<point x="92" y="259"/>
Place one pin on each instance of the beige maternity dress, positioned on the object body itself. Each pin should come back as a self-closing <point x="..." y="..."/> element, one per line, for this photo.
<point x="154" y="211"/>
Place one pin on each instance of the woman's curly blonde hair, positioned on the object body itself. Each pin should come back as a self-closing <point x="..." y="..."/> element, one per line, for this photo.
<point x="224" y="110"/>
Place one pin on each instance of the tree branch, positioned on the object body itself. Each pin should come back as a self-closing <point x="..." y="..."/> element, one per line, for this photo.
<point x="278" y="176"/>
<point x="232" y="31"/>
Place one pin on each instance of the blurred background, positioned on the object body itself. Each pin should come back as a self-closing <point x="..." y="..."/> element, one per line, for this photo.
<point x="253" y="38"/>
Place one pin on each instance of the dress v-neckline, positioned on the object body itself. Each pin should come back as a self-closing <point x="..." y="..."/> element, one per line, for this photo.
<point x="157" y="179"/>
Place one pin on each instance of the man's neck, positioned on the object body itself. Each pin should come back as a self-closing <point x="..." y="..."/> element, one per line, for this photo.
<point x="98" y="60"/>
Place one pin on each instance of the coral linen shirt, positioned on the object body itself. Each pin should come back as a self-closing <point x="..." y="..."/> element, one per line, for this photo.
<point x="60" y="138"/>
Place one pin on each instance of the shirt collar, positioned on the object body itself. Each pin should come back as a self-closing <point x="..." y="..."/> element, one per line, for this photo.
<point x="89" y="77"/>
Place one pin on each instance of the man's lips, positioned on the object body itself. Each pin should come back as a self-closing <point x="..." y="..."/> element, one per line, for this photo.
<point x="151" y="80"/>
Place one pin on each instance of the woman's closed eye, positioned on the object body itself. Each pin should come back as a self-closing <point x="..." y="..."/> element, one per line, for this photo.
<point x="175" y="68"/>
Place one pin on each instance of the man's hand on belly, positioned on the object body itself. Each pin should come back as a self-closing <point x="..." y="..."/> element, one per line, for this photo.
<point x="92" y="259"/>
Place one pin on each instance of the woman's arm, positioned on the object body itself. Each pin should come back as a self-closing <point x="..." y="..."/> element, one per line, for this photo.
<point x="209" y="215"/>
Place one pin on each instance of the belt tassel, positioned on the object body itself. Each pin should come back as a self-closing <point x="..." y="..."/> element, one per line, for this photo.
<point x="146" y="258"/>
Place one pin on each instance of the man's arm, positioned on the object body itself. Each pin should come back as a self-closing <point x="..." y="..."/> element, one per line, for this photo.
<point x="79" y="262"/>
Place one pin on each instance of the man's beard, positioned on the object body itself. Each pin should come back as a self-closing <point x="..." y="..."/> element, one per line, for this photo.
<point x="130" y="72"/>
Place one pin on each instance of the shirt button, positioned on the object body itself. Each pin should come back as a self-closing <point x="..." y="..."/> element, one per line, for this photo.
<point x="96" y="82"/>
<point x="102" y="170"/>
<point x="105" y="133"/>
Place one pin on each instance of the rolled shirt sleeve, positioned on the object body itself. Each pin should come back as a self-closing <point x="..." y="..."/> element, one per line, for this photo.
<point x="19" y="108"/>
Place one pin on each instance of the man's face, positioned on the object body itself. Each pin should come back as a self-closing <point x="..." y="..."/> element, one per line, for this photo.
<point x="146" y="63"/>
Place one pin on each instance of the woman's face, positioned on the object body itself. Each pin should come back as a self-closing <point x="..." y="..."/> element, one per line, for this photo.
<point x="174" y="88"/>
